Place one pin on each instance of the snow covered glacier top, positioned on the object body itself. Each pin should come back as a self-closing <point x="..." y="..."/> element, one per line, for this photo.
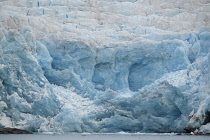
<point x="105" y="65"/>
<point x="100" y="22"/>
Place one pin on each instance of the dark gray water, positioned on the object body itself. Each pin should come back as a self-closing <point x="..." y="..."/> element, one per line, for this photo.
<point x="103" y="137"/>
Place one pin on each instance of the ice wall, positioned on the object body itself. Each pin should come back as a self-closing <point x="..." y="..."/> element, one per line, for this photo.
<point x="85" y="66"/>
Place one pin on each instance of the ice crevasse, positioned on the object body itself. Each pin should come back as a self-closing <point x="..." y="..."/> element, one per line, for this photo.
<point x="105" y="66"/>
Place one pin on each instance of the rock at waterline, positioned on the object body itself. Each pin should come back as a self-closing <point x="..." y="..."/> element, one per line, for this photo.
<point x="13" y="131"/>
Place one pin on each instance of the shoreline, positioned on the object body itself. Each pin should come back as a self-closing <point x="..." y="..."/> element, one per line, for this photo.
<point x="8" y="131"/>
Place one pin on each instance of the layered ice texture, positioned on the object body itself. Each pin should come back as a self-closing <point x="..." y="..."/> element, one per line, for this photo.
<point x="105" y="65"/>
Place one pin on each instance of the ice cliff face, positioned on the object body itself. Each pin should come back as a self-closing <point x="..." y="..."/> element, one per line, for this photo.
<point x="105" y="65"/>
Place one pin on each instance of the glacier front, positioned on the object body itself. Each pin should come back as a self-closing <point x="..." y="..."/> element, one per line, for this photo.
<point x="105" y="66"/>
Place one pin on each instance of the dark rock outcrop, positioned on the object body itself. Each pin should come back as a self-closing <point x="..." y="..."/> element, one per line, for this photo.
<point x="13" y="131"/>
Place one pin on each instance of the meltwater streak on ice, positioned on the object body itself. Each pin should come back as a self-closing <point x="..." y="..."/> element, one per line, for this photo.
<point x="102" y="137"/>
<point x="105" y="66"/>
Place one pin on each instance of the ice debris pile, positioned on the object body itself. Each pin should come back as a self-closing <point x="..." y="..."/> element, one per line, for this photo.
<point x="105" y="65"/>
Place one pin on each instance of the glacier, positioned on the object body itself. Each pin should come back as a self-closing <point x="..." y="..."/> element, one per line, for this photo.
<point x="105" y="66"/>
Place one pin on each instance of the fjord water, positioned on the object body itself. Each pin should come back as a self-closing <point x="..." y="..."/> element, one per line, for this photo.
<point x="104" y="137"/>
